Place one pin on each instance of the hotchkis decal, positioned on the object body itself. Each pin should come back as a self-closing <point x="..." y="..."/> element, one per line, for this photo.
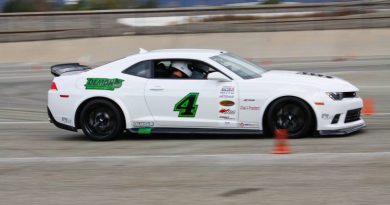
<point x="103" y="83"/>
<point x="143" y="124"/>
<point x="227" y="103"/>
<point x="187" y="106"/>
<point x="249" y="108"/>
<point x="227" y="111"/>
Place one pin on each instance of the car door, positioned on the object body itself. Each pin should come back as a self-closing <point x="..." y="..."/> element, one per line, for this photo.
<point x="133" y="90"/>
<point x="192" y="103"/>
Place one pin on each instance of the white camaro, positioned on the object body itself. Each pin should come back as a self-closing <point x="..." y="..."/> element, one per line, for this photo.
<point x="198" y="91"/>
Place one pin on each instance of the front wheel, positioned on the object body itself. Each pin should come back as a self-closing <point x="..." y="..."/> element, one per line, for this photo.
<point x="292" y="114"/>
<point x="101" y="120"/>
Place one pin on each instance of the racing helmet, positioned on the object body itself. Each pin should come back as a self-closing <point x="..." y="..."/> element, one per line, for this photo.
<point x="182" y="66"/>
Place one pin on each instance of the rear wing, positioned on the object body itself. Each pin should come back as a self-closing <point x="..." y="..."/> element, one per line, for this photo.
<point x="60" y="69"/>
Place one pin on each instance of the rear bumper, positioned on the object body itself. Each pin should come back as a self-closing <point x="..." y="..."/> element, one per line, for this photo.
<point x="343" y="131"/>
<point x="60" y="125"/>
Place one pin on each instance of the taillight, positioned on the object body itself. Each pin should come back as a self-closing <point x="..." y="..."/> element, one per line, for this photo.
<point x="53" y="86"/>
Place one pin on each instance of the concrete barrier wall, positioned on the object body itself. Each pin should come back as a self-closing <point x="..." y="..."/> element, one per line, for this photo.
<point x="258" y="45"/>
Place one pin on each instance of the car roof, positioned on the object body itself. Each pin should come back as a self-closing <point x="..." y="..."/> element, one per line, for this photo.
<point x="181" y="52"/>
<point x="196" y="54"/>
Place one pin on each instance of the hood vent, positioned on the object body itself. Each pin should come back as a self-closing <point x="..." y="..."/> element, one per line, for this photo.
<point x="315" y="74"/>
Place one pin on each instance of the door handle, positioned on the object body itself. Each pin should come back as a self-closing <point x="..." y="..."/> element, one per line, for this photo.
<point x="156" y="88"/>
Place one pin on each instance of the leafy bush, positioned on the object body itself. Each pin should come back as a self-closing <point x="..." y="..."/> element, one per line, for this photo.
<point x="271" y="2"/>
<point x="25" y="6"/>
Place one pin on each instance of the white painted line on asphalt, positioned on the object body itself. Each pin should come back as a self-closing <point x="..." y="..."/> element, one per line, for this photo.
<point x="380" y="114"/>
<point x="13" y="65"/>
<point x="25" y="76"/>
<point x="373" y="86"/>
<point x="265" y="157"/>
<point x="349" y="72"/>
<point x="24" y="122"/>
<point x="23" y="71"/>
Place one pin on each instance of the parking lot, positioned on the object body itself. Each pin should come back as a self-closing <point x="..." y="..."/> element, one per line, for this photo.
<point x="41" y="164"/>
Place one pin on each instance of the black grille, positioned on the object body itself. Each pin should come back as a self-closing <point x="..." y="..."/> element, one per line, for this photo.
<point x="352" y="115"/>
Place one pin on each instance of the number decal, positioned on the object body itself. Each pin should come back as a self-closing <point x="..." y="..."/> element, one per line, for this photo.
<point x="187" y="106"/>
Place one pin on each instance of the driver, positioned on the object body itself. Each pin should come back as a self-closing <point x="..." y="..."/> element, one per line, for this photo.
<point x="180" y="70"/>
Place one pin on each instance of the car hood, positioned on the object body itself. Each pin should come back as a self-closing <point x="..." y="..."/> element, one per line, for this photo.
<point x="321" y="81"/>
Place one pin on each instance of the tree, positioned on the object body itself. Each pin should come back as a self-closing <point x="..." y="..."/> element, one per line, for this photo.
<point x="26" y="6"/>
<point x="271" y="2"/>
<point x="148" y="4"/>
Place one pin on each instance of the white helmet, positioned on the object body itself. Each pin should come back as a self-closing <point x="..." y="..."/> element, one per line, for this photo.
<point x="182" y="66"/>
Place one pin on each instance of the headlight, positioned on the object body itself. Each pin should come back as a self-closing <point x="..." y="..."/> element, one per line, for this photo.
<point x="336" y="95"/>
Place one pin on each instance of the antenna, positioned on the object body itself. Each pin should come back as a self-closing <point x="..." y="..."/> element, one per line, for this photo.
<point x="141" y="50"/>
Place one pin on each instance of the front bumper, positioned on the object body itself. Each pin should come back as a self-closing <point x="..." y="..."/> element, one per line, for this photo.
<point x="343" y="131"/>
<point x="348" y="120"/>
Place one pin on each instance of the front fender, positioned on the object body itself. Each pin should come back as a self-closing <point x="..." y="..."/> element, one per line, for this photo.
<point x="309" y="98"/>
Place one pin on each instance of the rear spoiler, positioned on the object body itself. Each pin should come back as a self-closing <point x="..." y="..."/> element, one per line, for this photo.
<point x="60" y="69"/>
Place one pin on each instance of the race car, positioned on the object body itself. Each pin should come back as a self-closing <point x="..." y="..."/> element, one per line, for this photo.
<point x="198" y="91"/>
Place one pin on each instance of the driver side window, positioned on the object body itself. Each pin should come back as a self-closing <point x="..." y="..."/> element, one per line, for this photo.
<point x="181" y="69"/>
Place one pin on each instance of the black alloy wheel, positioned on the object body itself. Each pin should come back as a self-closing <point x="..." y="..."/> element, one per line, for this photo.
<point x="292" y="114"/>
<point x="101" y="120"/>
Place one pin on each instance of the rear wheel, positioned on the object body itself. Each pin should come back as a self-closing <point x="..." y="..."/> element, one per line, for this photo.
<point x="101" y="120"/>
<point x="292" y="114"/>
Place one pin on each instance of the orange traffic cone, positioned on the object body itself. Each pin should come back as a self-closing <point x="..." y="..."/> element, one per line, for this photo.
<point x="281" y="145"/>
<point x="368" y="107"/>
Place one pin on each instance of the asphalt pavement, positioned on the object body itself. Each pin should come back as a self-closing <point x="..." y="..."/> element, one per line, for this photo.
<point x="41" y="164"/>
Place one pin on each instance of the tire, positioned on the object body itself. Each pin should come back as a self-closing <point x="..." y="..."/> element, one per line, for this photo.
<point x="101" y="120"/>
<point x="290" y="113"/>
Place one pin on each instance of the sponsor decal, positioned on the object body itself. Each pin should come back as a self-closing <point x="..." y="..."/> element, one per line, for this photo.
<point x="187" y="106"/>
<point x="227" y="111"/>
<point x="248" y="124"/>
<point x="252" y="108"/>
<point x="103" y="83"/>
<point x="326" y="116"/>
<point x="143" y="124"/>
<point x="226" y="117"/>
<point x="227" y="90"/>
<point x="66" y="120"/>
<point x="226" y="103"/>
<point x="227" y="123"/>
<point x="249" y="100"/>
<point x="226" y="96"/>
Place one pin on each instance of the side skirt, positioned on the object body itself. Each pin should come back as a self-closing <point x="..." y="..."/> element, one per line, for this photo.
<point x="161" y="130"/>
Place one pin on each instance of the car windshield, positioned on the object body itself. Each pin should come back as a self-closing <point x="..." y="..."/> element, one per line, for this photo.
<point x="240" y="66"/>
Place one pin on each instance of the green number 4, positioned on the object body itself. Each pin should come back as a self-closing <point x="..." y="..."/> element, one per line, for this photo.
<point x="187" y="106"/>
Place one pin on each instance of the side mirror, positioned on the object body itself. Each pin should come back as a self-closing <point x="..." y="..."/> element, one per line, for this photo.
<point x="218" y="77"/>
